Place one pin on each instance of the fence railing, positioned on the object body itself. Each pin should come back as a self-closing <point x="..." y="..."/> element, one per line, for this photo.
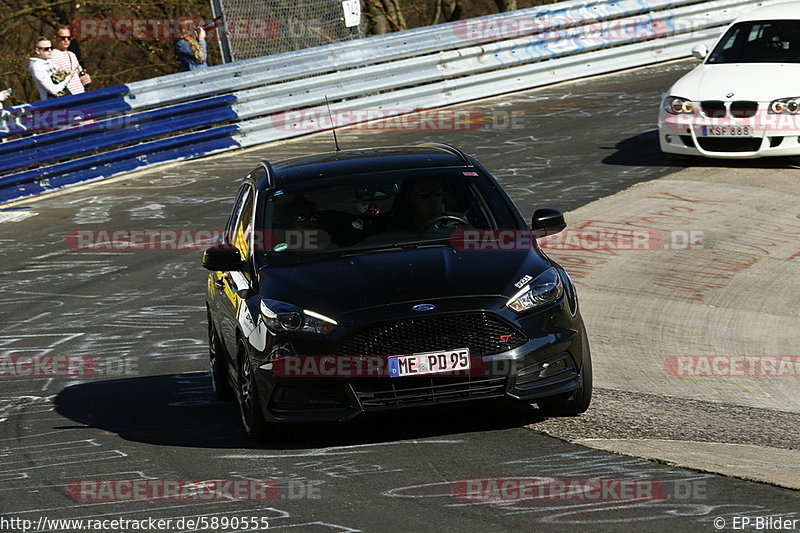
<point x="241" y="104"/>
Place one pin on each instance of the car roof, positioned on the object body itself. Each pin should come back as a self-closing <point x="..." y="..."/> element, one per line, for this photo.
<point x="366" y="160"/>
<point x="782" y="11"/>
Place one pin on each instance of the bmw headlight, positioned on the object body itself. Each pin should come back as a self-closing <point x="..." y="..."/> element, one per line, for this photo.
<point x="676" y="105"/>
<point x="544" y="290"/>
<point x="282" y="317"/>
<point x="784" y="106"/>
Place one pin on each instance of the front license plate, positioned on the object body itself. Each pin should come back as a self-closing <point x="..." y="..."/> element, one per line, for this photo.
<point x="420" y="364"/>
<point x="726" y="131"/>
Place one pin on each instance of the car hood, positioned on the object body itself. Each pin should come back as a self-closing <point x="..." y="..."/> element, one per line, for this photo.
<point x="747" y="81"/>
<point x="348" y="284"/>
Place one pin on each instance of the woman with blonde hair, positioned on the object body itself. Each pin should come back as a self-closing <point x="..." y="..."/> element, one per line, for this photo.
<point x="191" y="46"/>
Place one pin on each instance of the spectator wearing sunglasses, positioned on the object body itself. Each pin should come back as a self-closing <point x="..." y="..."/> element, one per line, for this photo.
<point x="65" y="60"/>
<point x="50" y="82"/>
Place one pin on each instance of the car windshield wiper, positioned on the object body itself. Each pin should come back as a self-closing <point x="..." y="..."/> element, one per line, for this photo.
<point x="289" y="257"/>
<point x="416" y="244"/>
<point x="413" y="245"/>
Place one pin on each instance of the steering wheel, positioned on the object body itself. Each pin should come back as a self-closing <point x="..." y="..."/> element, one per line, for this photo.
<point x="442" y="218"/>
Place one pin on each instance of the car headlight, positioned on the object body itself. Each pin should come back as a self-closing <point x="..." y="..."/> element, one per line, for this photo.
<point x="545" y="289"/>
<point x="283" y="317"/>
<point x="676" y="105"/>
<point x="784" y="106"/>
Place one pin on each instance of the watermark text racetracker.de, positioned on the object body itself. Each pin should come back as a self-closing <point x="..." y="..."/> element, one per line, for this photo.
<point x="27" y="120"/>
<point x="24" y="119"/>
<point x="140" y="239"/>
<point x="165" y="239"/>
<point x="706" y="125"/>
<point x="556" y="28"/>
<point x="153" y="29"/>
<point x="234" y="489"/>
<point x="50" y="366"/>
<point x="518" y="489"/>
<point x="590" y="239"/>
<point x="454" y="363"/>
<point x="396" y="118"/>
<point x="733" y="366"/>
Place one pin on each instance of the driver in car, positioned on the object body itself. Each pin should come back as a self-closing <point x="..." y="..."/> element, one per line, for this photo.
<point x="419" y="203"/>
<point x="300" y="214"/>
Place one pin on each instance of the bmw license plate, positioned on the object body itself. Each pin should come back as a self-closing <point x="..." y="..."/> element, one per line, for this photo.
<point x="726" y="131"/>
<point x="420" y="364"/>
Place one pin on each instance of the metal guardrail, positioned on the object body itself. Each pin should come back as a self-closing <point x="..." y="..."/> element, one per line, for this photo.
<point x="242" y="104"/>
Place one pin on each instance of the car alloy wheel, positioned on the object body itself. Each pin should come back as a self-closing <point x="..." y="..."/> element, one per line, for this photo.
<point x="252" y="417"/>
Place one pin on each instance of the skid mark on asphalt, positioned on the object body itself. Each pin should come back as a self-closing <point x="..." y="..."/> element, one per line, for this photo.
<point x="689" y="494"/>
<point x="340" y="450"/>
<point x="29" y="404"/>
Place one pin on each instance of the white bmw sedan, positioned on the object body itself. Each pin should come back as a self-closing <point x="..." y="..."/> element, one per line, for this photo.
<point x="744" y="100"/>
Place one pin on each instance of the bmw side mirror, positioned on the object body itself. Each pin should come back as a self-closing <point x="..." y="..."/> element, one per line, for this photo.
<point x="700" y="51"/>
<point x="547" y="222"/>
<point x="223" y="257"/>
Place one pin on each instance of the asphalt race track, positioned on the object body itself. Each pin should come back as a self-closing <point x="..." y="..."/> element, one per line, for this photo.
<point x="148" y="412"/>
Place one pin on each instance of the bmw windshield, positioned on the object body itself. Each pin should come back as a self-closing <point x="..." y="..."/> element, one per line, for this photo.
<point x="760" y="41"/>
<point x="377" y="212"/>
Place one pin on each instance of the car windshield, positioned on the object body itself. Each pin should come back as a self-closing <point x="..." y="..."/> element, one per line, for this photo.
<point x="759" y="41"/>
<point x="378" y="212"/>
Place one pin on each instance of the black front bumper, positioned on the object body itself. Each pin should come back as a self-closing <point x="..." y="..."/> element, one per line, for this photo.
<point x="539" y="368"/>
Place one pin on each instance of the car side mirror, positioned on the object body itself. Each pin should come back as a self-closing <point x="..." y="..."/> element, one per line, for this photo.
<point x="700" y="51"/>
<point x="547" y="222"/>
<point x="223" y="257"/>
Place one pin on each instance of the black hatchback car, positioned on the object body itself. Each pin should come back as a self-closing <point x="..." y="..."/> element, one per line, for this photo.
<point x="379" y="279"/>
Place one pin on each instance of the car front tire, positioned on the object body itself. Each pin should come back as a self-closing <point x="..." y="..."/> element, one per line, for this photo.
<point x="219" y="365"/>
<point x="252" y="417"/>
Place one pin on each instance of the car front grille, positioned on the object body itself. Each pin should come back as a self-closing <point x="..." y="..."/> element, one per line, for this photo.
<point x="744" y="109"/>
<point x="713" y="108"/>
<point x="483" y="333"/>
<point x="738" y="109"/>
<point x="396" y="392"/>
<point x="729" y="144"/>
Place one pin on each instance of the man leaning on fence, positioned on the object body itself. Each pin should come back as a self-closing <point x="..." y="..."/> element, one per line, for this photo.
<point x="65" y="60"/>
<point x="50" y="82"/>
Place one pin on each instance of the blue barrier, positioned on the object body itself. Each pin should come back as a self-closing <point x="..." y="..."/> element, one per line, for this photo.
<point x="103" y="103"/>
<point x="117" y="161"/>
<point x="107" y="96"/>
<point x="78" y="141"/>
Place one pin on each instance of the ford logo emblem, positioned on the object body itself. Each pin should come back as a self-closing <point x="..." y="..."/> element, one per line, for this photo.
<point x="423" y="307"/>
